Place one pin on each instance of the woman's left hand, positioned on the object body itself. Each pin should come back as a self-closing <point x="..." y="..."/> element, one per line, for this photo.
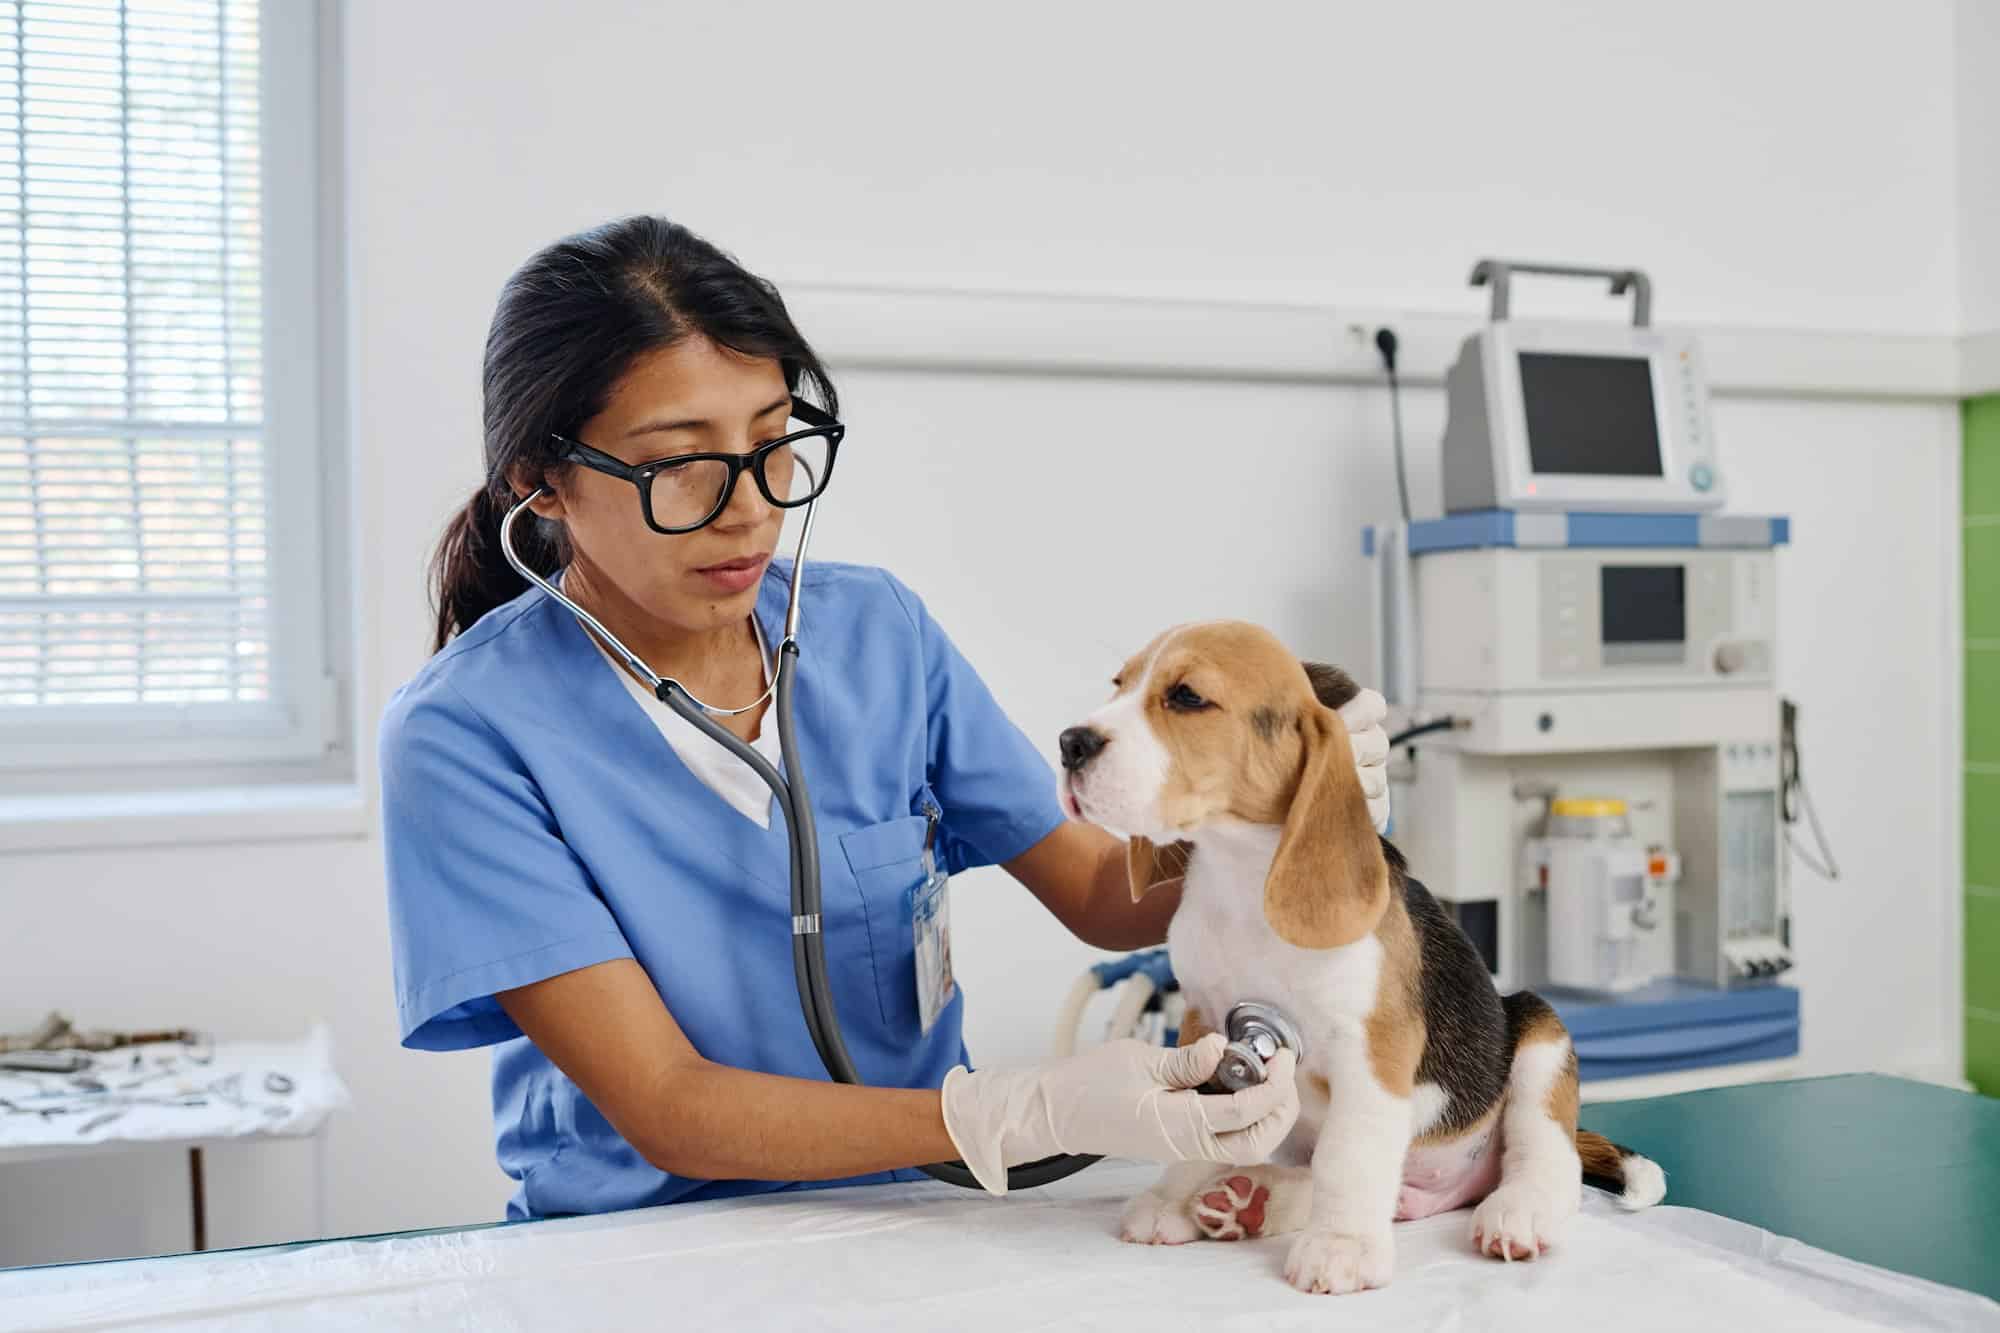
<point x="1364" y="715"/>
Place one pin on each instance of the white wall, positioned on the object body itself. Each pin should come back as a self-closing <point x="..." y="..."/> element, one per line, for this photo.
<point x="1781" y="164"/>
<point x="1976" y="52"/>
<point x="1351" y="153"/>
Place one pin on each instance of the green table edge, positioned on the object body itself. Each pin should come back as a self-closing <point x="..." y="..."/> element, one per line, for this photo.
<point x="1889" y="1171"/>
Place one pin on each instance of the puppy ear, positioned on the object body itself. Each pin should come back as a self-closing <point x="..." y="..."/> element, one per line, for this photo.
<point x="1148" y="865"/>
<point x="1329" y="883"/>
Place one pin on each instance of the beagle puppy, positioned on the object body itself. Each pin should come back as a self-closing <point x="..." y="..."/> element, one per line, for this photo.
<point x="1224" y="761"/>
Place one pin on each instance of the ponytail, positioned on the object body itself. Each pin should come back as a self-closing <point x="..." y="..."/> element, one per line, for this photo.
<point x="469" y="572"/>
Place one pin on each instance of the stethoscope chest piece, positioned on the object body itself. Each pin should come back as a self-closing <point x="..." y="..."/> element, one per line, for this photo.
<point x="1256" y="1033"/>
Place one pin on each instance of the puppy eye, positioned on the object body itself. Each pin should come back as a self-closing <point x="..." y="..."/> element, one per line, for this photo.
<point x="1183" y="698"/>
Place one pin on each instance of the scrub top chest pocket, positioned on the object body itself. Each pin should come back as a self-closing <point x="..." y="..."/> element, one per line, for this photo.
<point x="903" y="889"/>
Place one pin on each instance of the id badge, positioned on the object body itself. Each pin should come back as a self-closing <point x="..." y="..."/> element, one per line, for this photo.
<point x="930" y="918"/>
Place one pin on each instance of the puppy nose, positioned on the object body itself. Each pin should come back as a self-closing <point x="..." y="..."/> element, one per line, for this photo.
<point x="1078" y="745"/>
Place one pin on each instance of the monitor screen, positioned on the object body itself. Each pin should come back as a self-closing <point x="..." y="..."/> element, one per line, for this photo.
<point x="1590" y="415"/>
<point x="1644" y="613"/>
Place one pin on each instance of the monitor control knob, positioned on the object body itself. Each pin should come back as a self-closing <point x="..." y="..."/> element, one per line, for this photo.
<point x="1730" y="658"/>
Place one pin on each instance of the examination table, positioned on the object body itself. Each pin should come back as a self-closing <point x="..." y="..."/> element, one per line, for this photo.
<point x="1846" y="1173"/>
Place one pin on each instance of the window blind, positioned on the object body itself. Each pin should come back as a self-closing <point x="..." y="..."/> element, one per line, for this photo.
<point x="134" y="533"/>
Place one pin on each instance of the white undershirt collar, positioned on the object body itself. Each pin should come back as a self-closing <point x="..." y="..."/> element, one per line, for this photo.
<point x="717" y="768"/>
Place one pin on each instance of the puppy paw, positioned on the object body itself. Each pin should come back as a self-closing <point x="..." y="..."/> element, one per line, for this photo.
<point x="1232" y="1208"/>
<point x="1521" y="1220"/>
<point x="1152" y="1220"/>
<point x="1327" y="1261"/>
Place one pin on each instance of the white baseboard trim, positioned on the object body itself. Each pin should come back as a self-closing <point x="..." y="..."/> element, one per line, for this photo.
<point x="938" y="329"/>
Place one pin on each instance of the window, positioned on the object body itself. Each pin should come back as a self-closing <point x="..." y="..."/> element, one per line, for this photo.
<point x="159" y="551"/>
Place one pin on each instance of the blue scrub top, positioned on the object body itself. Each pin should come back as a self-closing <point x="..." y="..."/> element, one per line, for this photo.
<point x="537" y="822"/>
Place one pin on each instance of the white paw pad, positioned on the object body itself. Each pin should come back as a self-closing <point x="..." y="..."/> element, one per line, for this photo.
<point x="1232" y="1208"/>
<point x="1151" y="1220"/>
<point x="1325" y="1261"/>
<point x="1520" y="1221"/>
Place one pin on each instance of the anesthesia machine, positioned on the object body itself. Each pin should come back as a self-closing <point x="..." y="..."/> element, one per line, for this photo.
<point x="1590" y="644"/>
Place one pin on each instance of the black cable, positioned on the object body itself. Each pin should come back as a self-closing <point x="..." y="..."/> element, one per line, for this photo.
<point x="1385" y="343"/>
<point x="1409" y="734"/>
<point x="1793" y="796"/>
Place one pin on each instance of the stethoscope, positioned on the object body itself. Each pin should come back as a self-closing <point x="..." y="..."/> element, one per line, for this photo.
<point x="1255" y="1031"/>
<point x="789" y="789"/>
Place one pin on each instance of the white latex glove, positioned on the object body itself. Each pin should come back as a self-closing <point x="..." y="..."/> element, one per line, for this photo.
<point x="1122" y="1099"/>
<point x="1364" y="715"/>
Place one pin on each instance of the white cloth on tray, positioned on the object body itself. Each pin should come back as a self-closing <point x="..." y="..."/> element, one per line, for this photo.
<point x="167" y="1091"/>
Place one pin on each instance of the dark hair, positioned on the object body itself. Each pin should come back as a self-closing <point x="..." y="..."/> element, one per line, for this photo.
<point x="569" y="323"/>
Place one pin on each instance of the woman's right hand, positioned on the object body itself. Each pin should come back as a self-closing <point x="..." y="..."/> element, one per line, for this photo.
<point x="1122" y="1099"/>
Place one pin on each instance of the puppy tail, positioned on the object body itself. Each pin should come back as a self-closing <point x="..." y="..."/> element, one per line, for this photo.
<point x="1637" y="1181"/>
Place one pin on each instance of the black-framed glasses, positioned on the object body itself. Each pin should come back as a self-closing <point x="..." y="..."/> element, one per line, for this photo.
<point x="687" y="492"/>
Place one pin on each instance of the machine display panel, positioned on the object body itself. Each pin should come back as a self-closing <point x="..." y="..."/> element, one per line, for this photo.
<point x="1591" y="415"/>
<point x="1643" y="613"/>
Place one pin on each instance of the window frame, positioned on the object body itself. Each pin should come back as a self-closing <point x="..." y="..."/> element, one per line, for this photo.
<point x="299" y="733"/>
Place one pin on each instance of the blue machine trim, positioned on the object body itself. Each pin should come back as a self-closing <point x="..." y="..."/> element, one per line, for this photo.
<point x="1457" y="532"/>
<point x="1368" y="542"/>
<point x="1498" y="527"/>
<point x="1667" y="1003"/>
<point x="1153" y="962"/>
<point x="1673" y="1025"/>
<point x="1634" y="530"/>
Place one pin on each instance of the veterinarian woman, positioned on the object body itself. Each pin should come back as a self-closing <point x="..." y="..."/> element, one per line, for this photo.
<point x="581" y="880"/>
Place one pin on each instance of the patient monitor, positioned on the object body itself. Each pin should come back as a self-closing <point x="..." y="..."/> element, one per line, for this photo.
<point x="1588" y="416"/>
<point x="1594" y="643"/>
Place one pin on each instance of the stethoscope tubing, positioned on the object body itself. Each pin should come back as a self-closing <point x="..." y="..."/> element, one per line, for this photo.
<point x="809" y="969"/>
